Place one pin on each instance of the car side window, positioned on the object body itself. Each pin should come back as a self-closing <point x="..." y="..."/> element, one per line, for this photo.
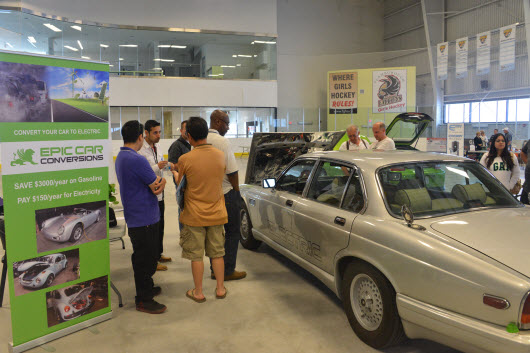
<point x="295" y="179"/>
<point x="58" y="259"/>
<point x="329" y="183"/>
<point x="354" y="198"/>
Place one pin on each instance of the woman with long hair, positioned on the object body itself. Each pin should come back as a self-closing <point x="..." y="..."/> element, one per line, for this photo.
<point x="501" y="162"/>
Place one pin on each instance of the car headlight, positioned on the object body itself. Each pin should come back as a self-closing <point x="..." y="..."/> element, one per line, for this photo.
<point x="61" y="230"/>
<point x="37" y="280"/>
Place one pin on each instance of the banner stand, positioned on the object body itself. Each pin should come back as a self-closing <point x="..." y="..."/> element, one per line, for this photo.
<point x="53" y="336"/>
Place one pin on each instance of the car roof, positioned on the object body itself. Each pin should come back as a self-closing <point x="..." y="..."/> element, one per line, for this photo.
<point x="375" y="159"/>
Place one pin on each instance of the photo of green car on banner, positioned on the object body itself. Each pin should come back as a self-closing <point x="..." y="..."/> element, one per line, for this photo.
<point x="55" y="149"/>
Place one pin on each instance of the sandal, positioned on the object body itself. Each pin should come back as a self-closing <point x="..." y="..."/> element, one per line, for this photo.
<point x="191" y="294"/>
<point x="221" y="296"/>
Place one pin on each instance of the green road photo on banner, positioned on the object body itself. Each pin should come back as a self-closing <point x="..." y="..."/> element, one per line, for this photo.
<point x="55" y="150"/>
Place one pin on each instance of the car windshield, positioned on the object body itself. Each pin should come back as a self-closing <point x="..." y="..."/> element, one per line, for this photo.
<point x="434" y="189"/>
<point x="79" y="211"/>
<point x="72" y="290"/>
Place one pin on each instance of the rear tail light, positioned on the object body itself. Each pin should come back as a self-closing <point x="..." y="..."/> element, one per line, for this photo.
<point x="66" y="309"/>
<point x="525" y="313"/>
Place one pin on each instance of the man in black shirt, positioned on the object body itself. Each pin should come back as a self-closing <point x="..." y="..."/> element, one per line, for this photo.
<point x="179" y="147"/>
<point x="526" y="185"/>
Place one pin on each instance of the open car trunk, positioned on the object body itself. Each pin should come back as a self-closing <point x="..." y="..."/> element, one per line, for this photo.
<point x="271" y="152"/>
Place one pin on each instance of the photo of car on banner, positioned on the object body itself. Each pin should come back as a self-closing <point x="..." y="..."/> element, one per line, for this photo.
<point x="393" y="235"/>
<point x="74" y="301"/>
<point x="45" y="271"/>
<point x="35" y="93"/>
<point x="65" y="226"/>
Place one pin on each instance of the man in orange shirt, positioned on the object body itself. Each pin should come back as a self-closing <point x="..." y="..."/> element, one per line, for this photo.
<point x="204" y="213"/>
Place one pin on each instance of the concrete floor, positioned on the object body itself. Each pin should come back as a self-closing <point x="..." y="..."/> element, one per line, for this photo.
<point x="279" y="307"/>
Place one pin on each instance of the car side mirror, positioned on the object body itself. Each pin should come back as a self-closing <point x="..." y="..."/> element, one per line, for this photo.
<point x="268" y="183"/>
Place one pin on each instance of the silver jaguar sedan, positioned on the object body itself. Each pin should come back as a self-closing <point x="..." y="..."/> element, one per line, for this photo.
<point x="415" y="244"/>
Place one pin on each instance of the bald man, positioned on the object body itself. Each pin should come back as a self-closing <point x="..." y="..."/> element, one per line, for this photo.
<point x="383" y="141"/>
<point x="354" y="142"/>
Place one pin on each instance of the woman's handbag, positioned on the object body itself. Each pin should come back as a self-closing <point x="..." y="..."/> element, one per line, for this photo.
<point x="517" y="187"/>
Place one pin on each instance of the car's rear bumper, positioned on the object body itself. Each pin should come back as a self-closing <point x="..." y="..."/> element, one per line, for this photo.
<point x="421" y="320"/>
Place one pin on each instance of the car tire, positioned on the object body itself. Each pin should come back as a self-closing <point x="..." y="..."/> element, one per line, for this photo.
<point x="245" y="226"/>
<point x="49" y="280"/>
<point x="77" y="232"/>
<point x="370" y="304"/>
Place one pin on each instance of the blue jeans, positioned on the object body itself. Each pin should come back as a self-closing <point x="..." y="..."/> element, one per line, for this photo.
<point x="233" y="206"/>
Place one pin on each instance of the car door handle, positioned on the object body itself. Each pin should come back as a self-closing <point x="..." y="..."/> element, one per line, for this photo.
<point x="340" y="221"/>
<point x="289" y="203"/>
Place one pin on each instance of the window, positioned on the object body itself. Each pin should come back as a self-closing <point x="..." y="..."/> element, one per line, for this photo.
<point x="329" y="184"/>
<point x="490" y="111"/>
<point x="354" y="198"/>
<point x="523" y="109"/>
<point x="295" y="179"/>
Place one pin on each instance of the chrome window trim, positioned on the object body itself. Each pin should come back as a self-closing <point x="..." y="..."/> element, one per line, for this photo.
<point x="309" y="179"/>
<point x="519" y="323"/>
<point x="147" y="28"/>
<point x="381" y="193"/>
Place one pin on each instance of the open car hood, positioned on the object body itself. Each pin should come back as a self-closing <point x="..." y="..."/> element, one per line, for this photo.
<point x="406" y="129"/>
<point x="26" y="266"/>
<point x="82" y="295"/>
<point x="271" y="152"/>
<point x="484" y="232"/>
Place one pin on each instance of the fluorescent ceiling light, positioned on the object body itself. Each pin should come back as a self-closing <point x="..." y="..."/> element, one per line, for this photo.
<point x="5" y="11"/>
<point x="121" y="59"/>
<point x="192" y="30"/>
<point x="78" y="28"/>
<point x="238" y="65"/>
<point x="244" y="56"/>
<point x="71" y="48"/>
<point x="104" y="45"/>
<point x="213" y="75"/>
<point x="179" y="46"/>
<point x="262" y="42"/>
<point x="234" y="56"/>
<point x="232" y="66"/>
<point x="157" y="68"/>
<point x="80" y="45"/>
<point x="85" y="57"/>
<point x="165" y="46"/>
<point x="52" y="27"/>
<point x="165" y="60"/>
<point x="129" y="45"/>
<point x="221" y="75"/>
<point x="9" y="45"/>
<point x="255" y="55"/>
<point x="32" y="39"/>
<point x="111" y="65"/>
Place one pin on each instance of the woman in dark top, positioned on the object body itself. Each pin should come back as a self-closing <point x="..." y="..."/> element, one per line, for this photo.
<point x="478" y="142"/>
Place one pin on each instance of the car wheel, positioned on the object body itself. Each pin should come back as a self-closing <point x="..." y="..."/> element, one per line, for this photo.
<point x="245" y="226"/>
<point x="76" y="233"/>
<point x="49" y="280"/>
<point x="370" y="304"/>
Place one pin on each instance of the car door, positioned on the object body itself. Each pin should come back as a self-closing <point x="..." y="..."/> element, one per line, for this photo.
<point x="276" y="208"/>
<point x="324" y="221"/>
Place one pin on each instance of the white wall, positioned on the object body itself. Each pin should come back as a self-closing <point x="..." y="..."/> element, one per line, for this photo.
<point x="174" y="91"/>
<point x="256" y="16"/>
<point x="316" y="36"/>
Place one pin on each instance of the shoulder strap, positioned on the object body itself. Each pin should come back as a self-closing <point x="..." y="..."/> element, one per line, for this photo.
<point x="364" y="143"/>
<point x="348" y="145"/>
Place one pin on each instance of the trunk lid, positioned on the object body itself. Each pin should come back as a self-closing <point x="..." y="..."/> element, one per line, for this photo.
<point x="485" y="231"/>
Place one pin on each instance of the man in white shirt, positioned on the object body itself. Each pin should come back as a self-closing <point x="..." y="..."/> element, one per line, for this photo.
<point x="151" y="151"/>
<point x="383" y="141"/>
<point x="219" y="125"/>
<point x="354" y="142"/>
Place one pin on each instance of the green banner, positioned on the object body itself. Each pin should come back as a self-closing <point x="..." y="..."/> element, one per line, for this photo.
<point x="55" y="147"/>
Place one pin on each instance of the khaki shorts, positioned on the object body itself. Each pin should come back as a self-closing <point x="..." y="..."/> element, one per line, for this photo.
<point x="195" y="240"/>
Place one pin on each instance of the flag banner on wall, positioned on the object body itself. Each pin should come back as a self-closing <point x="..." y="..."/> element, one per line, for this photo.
<point x="389" y="91"/>
<point x="483" y="53"/>
<point x="507" y="48"/>
<point x="54" y="136"/>
<point x="442" y="59"/>
<point x="343" y="92"/>
<point x="461" y="57"/>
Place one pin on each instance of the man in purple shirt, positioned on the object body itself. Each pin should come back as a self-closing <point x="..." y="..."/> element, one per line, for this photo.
<point x="139" y="186"/>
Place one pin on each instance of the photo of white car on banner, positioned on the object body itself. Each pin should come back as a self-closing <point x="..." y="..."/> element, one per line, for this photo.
<point x="45" y="271"/>
<point x="61" y="227"/>
<point x="74" y="301"/>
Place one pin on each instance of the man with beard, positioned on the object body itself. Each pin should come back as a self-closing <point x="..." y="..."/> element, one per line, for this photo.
<point x="219" y="125"/>
<point x="151" y="151"/>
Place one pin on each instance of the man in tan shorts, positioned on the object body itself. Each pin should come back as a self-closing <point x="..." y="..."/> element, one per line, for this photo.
<point x="204" y="213"/>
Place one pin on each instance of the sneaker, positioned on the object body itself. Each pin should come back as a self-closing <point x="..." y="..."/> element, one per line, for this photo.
<point x="151" y="307"/>
<point x="164" y="259"/>
<point x="160" y="267"/>
<point x="233" y="277"/>
<point x="156" y="291"/>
